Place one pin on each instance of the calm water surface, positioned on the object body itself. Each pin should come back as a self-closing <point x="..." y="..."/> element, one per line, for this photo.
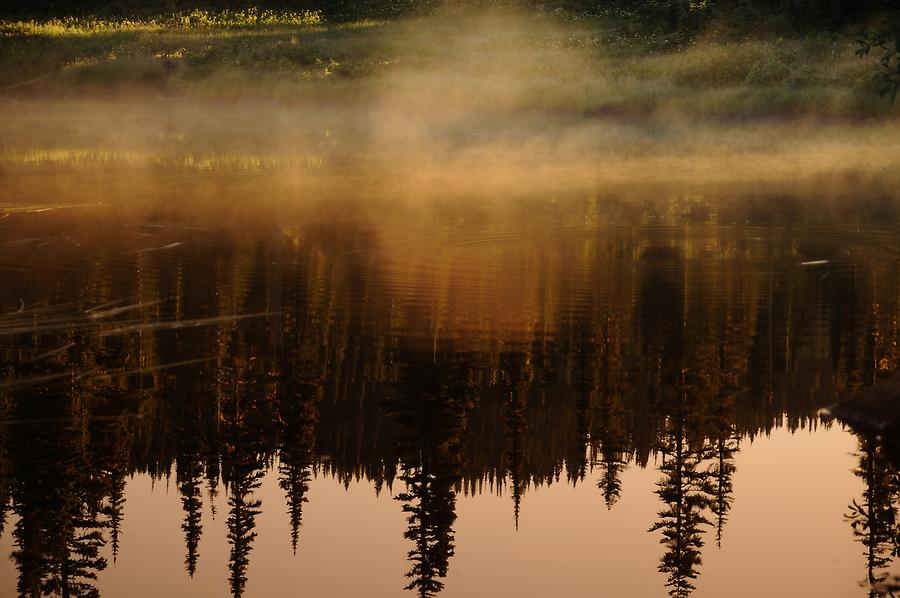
<point x="589" y="395"/>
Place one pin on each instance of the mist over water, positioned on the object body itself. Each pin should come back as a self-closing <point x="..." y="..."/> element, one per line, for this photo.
<point x="445" y="329"/>
<point x="461" y="105"/>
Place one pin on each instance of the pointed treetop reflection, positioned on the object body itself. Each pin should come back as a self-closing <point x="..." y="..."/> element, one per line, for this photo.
<point x="874" y="518"/>
<point x="515" y="378"/>
<point x="431" y="405"/>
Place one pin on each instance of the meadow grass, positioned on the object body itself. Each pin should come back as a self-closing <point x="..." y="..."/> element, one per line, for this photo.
<point x="523" y="63"/>
<point x="195" y="19"/>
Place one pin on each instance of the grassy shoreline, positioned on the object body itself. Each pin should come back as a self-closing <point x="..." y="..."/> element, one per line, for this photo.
<point x="592" y="67"/>
<point x="504" y="104"/>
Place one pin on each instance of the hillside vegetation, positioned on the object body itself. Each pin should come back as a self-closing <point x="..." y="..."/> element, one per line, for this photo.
<point x="559" y="62"/>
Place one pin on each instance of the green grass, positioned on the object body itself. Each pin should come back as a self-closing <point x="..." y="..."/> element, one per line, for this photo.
<point x="499" y="63"/>
<point x="194" y="20"/>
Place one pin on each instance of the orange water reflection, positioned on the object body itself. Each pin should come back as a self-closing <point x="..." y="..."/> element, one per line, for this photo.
<point x="591" y="396"/>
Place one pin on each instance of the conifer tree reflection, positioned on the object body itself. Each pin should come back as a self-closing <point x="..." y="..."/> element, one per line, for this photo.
<point x="186" y="406"/>
<point x="585" y="389"/>
<point x="611" y="418"/>
<point x="301" y="388"/>
<point x="117" y="510"/>
<point x="242" y="471"/>
<point x="298" y="419"/>
<point x="431" y="405"/>
<point x="212" y="465"/>
<point x="725" y="445"/>
<point x="874" y="518"/>
<point x="102" y="440"/>
<point x="190" y="479"/>
<point x="79" y="569"/>
<point x="114" y="464"/>
<point x="613" y="449"/>
<point x="5" y="478"/>
<point x="720" y="425"/>
<point x="578" y="458"/>
<point x="515" y="379"/>
<point x="685" y="489"/>
<point x="37" y="497"/>
<point x="59" y="499"/>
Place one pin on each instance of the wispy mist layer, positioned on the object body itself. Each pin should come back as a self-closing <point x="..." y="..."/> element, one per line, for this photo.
<point x="498" y="105"/>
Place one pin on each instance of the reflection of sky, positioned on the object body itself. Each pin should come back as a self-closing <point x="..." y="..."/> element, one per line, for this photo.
<point x="786" y="536"/>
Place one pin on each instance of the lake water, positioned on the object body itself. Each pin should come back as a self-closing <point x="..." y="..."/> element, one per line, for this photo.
<point x="208" y="389"/>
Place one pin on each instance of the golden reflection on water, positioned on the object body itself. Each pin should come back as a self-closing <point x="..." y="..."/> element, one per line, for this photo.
<point x="588" y="392"/>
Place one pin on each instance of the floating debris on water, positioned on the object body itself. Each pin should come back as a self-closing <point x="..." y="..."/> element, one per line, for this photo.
<point x="161" y="248"/>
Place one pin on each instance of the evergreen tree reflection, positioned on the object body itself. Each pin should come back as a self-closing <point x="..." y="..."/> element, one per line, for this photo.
<point x="586" y="383"/>
<point x="685" y="489"/>
<point x="298" y="416"/>
<point x="186" y="404"/>
<point x="613" y="447"/>
<point x="190" y="479"/>
<point x="874" y="518"/>
<point x="723" y="449"/>
<point x="242" y="472"/>
<point x="611" y="427"/>
<point x="114" y="463"/>
<point x="515" y="379"/>
<point x="59" y="500"/>
<point x="5" y="474"/>
<point x="431" y="406"/>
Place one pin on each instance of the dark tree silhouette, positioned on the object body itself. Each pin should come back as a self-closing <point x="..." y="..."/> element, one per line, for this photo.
<point x="613" y="451"/>
<point x="586" y="383"/>
<point x="722" y="489"/>
<point x="188" y="405"/>
<point x="242" y="472"/>
<point x="5" y="474"/>
<point x="430" y="503"/>
<point x="685" y="490"/>
<point x="241" y="523"/>
<point x="298" y="420"/>
<point x="724" y="445"/>
<point x="515" y="379"/>
<point x="431" y="406"/>
<point x="110" y="457"/>
<point x="60" y="499"/>
<point x="874" y="518"/>
<point x="116" y="511"/>
<point x="190" y="480"/>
